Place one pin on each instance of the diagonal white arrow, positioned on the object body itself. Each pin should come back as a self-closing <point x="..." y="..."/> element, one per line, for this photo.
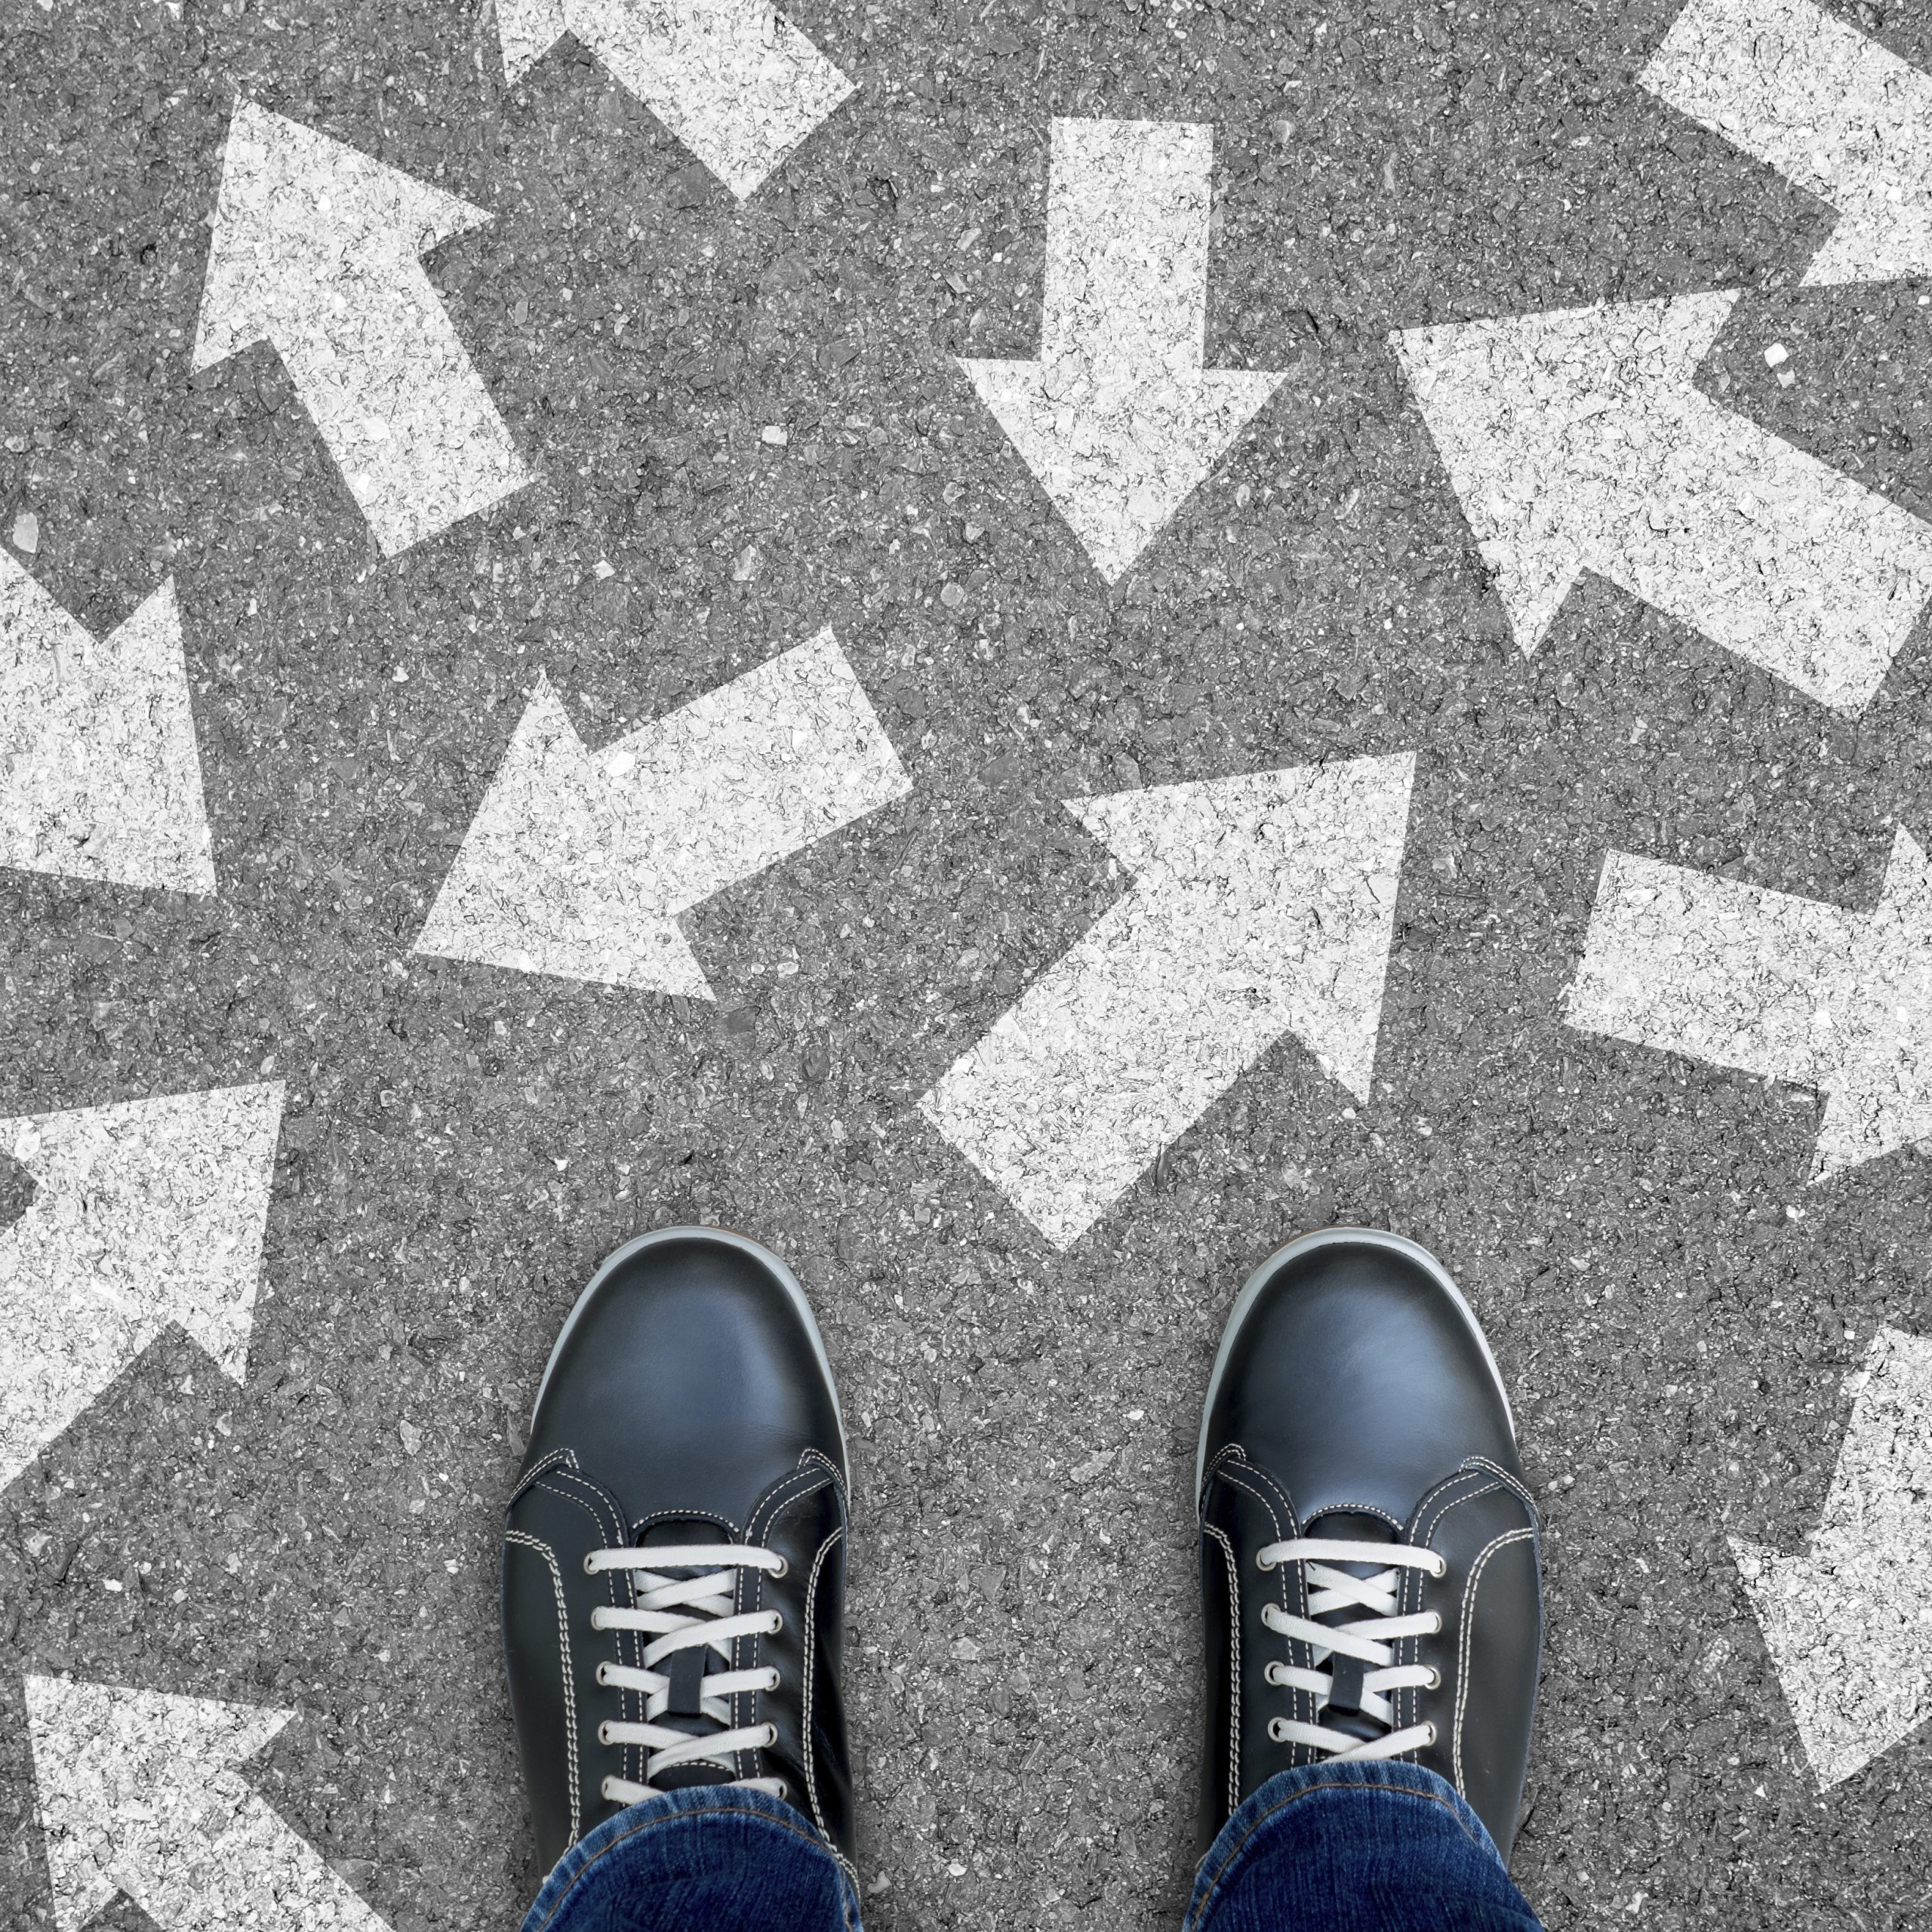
<point x="579" y="863"/>
<point x="145" y="1213"/>
<point x="735" y="81"/>
<point x="1578" y="441"/>
<point x="1846" y="1622"/>
<point x="1806" y="93"/>
<point x="1787" y="988"/>
<point x="99" y="776"/>
<point x="142" y="1794"/>
<point x="1262" y="905"/>
<point x="316" y="250"/>
<point x="1118" y="417"/>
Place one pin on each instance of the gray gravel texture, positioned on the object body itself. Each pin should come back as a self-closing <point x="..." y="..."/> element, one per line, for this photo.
<point x="1675" y="1307"/>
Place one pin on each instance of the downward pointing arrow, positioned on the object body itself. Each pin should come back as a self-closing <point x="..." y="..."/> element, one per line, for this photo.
<point x="1262" y="905"/>
<point x="1118" y="418"/>
<point x="99" y="777"/>
<point x="144" y="1214"/>
<point x="142" y="1794"/>
<point x="1806" y="93"/>
<point x="1577" y="440"/>
<point x="1789" y="988"/>
<point x="738" y="84"/>
<point x="315" y="249"/>
<point x="580" y="864"/>
<point x="1846" y="1622"/>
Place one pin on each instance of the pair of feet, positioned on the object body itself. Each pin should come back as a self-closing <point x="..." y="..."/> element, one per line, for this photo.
<point x="674" y="1555"/>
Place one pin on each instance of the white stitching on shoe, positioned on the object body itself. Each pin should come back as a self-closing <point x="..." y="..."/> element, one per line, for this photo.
<point x="523" y="1539"/>
<point x="1301" y="1697"/>
<point x="808" y="1646"/>
<point x="1220" y="1536"/>
<point x="1463" y="1658"/>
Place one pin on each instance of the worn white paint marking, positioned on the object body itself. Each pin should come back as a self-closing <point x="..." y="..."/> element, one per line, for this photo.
<point x="1262" y="905"/>
<point x="144" y="1214"/>
<point x="1789" y="988"/>
<point x="143" y="1794"/>
<point x="99" y="776"/>
<point x="316" y="250"/>
<point x="1577" y="441"/>
<point x="1806" y="93"/>
<point x="735" y="81"/>
<point x="1846" y="1623"/>
<point x="1118" y="417"/>
<point x="579" y="863"/>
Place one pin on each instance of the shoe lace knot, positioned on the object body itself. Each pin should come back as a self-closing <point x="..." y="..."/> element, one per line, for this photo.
<point x="1353" y="1670"/>
<point x="684" y="1601"/>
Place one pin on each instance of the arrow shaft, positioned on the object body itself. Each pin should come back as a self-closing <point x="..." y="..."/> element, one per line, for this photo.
<point x="1761" y="981"/>
<point x="735" y="81"/>
<point x="1826" y="105"/>
<point x="394" y="396"/>
<point x="747" y="773"/>
<point x="1127" y="208"/>
<point x="231" y="1861"/>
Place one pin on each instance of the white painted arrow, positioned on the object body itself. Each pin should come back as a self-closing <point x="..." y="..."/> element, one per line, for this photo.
<point x="144" y="1213"/>
<point x="1262" y="905"/>
<point x="1789" y="988"/>
<point x="100" y="776"/>
<point x="1118" y="418"/>
<point x="1578" y="441"/>
<point x="579" y="863"/>
<point x="1846" y="1623"/>
<point x="735" y="81"/>
<point x="143" y="1794"/>
<point x="316" y="251"/>
<point x="1833" y="112"/>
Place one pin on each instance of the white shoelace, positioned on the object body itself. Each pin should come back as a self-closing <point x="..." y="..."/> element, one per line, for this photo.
<point x="1369" y="1639"/>
<point x="681" y="1613"/>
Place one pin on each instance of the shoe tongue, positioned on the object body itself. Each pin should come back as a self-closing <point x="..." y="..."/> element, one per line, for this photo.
<point x="688" y="1668"/>
<point x="1350" y="1526"/>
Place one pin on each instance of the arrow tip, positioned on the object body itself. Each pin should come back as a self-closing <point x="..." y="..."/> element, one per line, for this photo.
<point x="294" y="203"/>
<point x="109" y="1765"/>
<point x="526" y="31"/>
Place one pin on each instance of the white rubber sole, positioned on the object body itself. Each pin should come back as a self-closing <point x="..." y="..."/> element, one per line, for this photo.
<point x="724" y="1237"/>
<point x="1335" y="1238"/>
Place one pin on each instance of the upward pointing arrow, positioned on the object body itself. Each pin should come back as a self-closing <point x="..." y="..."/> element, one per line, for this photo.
<point x="1118" y="417"/>
<point x="142" y="1793"/>
<point x="1835" y="112"/>
<point x="737" y="83"/>
<point x="100" y="776"/>
<point x="1787" y="988"/>
<point x="580" y="863"/>
<point x="1846" y="1622"/>
<point x="316" y="250"/>
<point x="1578" y="441"/>
<point x="1262" y="905"/>
<point x="144" y="1213"/>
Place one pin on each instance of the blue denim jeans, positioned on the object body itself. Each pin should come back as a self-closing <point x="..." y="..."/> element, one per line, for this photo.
<point x="1352" y="1848"/>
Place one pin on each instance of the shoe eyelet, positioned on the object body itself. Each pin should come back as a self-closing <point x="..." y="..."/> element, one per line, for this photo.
<point x="783" y="1570"/>
<point x="1442" y="1569"/>
<point x="601" y="1678"/>
<point x="1431" y="1738"/>
<point x="784" y="1792"/>
<point x="1436" y="1627"/>
<point x="589" y="1569"/>
<point x="1261" y="1562"/>
<point x="1275" y="1674"/>
<point x="771" y="1737"/>
<point x="1435" y="1679"/>
<point x="606" y="1792"/>
<point x="777" y="1623"/>
<point x="597" y="1618"/>
<point x="774" y="1680"/>
<point x="603" y="1734"/>
<point x="1278" y="1730"/>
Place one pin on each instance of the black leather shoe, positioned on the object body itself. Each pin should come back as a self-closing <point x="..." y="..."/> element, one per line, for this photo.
<point x="1369" y="1570"/>
<point x="674" y="1556"/>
